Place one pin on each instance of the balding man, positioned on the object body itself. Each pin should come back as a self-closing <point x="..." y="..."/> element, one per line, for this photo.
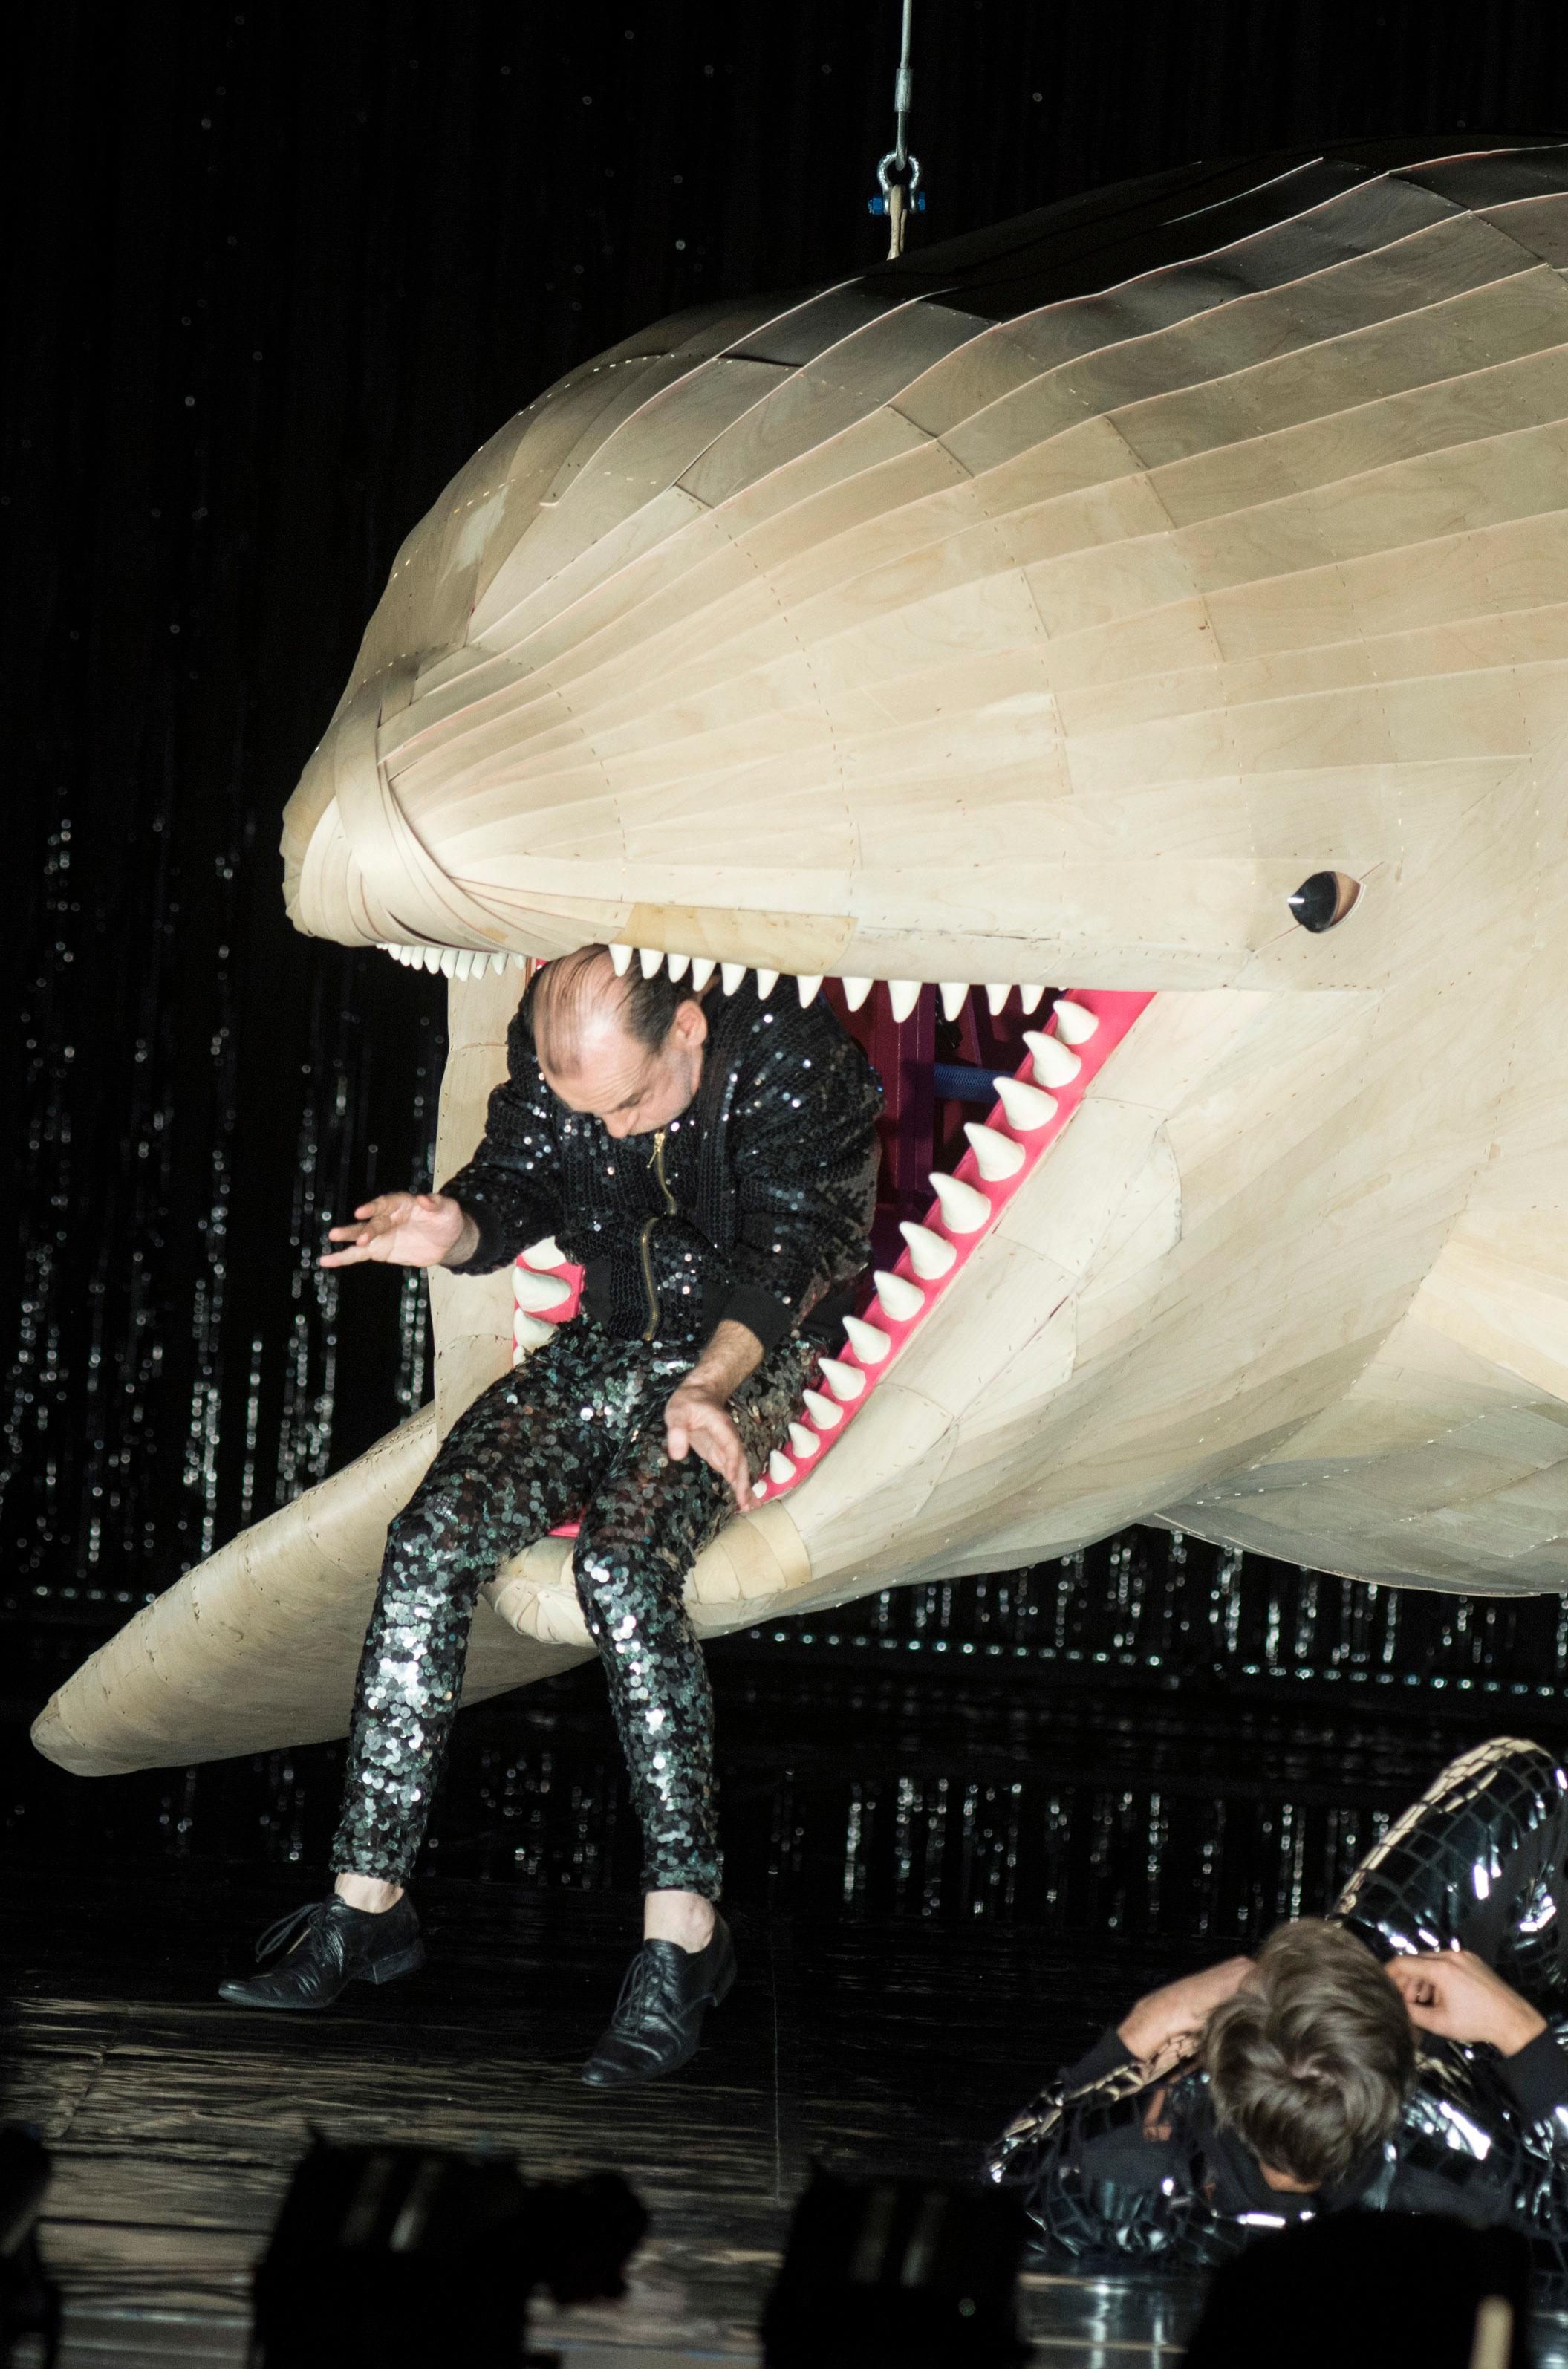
<point x="710" y="1163"/>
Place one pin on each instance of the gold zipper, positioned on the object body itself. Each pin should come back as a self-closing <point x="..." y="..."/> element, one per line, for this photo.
<point x="656" y="1162"/>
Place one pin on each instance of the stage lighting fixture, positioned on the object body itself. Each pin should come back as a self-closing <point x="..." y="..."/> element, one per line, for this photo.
<point x="897" y="2274"/>
<point x="29" y="2303"/>
<point x="1362" y="2290"/>
<point x="385" y="2256"/>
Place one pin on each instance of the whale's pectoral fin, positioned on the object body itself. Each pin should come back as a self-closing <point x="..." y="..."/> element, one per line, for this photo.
<point x="256" y="1648"/>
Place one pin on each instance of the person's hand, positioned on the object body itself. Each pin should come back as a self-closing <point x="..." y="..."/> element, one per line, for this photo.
<point x="403" y="1229"/>
<point x="1180" y="2010"/>
<point x="697" y="1417"/>
<point x="1457" y="1996"/>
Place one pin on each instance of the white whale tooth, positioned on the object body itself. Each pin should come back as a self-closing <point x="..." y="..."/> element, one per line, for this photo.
<point x="449" y="961"/>
<point x="530" y="1331"/>
<point x="856" y="991"/>
<point x="900" y="1298"/>
<point x="766" y="982"/>
<point x="780" y="1469"/>
<point x="651" y="959"/>
<point x="622" y="958"/>
<point x="520" y="962"/>
<point x="498" y="963"/>
<point x="465" y="962"/>
<point x="997" y="993"/>
<point x="431" y="958"/>
<point x="996" y="1156"/>
<point x="808" y="984"/>
<point x="679" y="966"/>
<point x="1028" y="996"/>
<point x="731" y="974"/>
<point x="869" y="1344"/>
<point x="964" y="1210"/>
<point x="953" y="993"/>
<point x="846" y="1382"/>
<point x="903" y="994"/>
<point x="822" y="1411"/>
<point x="929" y="1256"/>
<point x="1073" y="1022"/>
<point x="538" y="1292"/>
<point x="545" y="1253"/>
<point x="701" y="971"/>
<point x="1027" y="1108"/>
<point x="805" y="1443"/>
<point x="1056" y="1064"/>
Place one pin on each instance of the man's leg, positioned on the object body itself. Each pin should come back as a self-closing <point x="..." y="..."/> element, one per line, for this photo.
<point x="524" y="1457"/>
<point x="642" y="1530"/>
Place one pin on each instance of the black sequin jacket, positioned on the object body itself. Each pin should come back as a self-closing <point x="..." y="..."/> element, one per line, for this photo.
<point x="1113" y="2165"/>
<point x="755" y="1203"/>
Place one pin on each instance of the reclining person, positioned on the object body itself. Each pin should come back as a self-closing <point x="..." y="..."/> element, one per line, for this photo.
<point x="1394" y="2054"/>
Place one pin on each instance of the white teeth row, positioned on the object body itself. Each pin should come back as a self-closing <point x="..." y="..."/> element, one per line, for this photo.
<point x="454" y="962"/>
<point x="903" y="994"/>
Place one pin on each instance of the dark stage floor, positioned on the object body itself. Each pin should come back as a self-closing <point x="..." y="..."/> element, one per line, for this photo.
<point x="935" y="1903"/>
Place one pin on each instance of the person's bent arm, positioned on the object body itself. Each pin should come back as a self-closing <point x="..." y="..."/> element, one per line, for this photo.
<point x="1179" y="2010"/>
<point x="696" y="1414"/>
<point x="405" y="1229"/>
<point x="1460" y="1996"/>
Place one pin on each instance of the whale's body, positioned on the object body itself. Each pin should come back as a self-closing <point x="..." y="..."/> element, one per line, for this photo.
<point x="1046" y="607"/>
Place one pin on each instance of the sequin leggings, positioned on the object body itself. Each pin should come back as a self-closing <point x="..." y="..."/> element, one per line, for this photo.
<point x="577" y="1430"/>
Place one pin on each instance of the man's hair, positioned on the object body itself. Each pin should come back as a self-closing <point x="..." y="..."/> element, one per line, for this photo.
<point x="1311" y="2062"/>
<point x="564" y="993"/>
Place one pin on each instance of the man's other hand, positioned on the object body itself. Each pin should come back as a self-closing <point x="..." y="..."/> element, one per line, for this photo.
<point x="697" y="1418"/>
<point x="1180" y="2010"/>
<point x="1457" y="1996"/>
<point x="405" y="1229"/>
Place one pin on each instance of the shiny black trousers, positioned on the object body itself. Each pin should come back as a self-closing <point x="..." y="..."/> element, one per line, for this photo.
<point x="576" y="1431"/>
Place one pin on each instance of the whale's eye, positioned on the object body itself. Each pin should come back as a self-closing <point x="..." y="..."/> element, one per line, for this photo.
<point x="1323" y="899"/>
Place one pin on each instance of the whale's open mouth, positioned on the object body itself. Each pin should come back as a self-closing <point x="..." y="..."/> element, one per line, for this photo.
<point x="980" y="1083"/>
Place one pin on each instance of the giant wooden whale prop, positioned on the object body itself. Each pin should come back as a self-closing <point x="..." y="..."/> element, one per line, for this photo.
<point x="1046" y="607"/>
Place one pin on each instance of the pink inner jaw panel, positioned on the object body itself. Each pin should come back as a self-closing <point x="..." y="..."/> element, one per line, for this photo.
<point x="1114" y="1013"/>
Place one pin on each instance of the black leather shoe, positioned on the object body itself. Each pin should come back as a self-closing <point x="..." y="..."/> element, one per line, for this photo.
<point x="338" y="1945"/>
<point x="658" y="2016"/>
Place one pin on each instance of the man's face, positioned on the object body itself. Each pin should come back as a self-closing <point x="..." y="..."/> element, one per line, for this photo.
<point x="618" y="1080"/>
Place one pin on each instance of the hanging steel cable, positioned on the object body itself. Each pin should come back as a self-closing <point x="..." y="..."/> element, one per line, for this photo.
<point x="898" y="173"/>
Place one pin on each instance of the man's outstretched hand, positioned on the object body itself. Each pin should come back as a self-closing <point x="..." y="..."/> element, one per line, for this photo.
<point x="1457" y="1996"/>
<point x="405" y="1229"/>
<point x="696" y="1415"/>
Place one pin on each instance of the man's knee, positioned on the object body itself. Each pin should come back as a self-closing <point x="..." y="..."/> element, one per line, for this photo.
<point x="617" y="1572"/>
<point x="435" y="1520"/>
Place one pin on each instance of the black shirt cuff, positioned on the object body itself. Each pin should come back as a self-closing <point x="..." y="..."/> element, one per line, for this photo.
<point x="1538" y="2076"/>
<point x="1109" y="2054"/>
<point x="749" y="1304"/>
<point x="490" y="1251"/>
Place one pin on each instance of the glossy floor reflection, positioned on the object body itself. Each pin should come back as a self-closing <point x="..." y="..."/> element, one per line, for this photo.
<point x="908" y="1969"/>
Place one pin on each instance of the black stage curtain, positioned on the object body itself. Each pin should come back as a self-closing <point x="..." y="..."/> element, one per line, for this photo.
<point x="274" y="272"/>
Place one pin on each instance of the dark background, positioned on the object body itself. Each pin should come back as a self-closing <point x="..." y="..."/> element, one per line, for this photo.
<point x="274" y="272"/>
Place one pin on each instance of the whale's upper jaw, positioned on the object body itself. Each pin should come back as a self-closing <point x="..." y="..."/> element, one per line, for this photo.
<point x="1046" y="612"/>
